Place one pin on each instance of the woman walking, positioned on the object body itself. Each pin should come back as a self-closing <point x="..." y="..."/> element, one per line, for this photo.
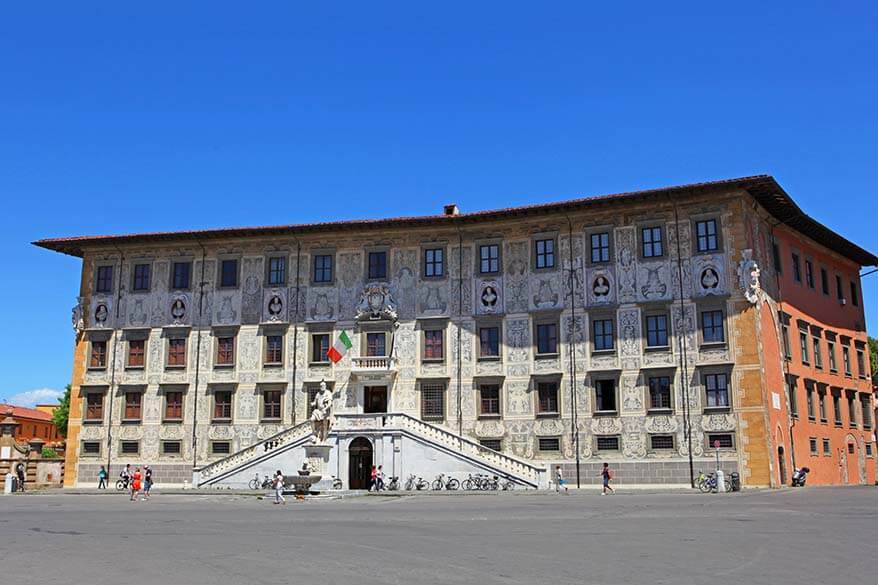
<point x="102" y="478"/>
<point x="373" y="479"/>
<point x="147" y="481"/>
<point x="135" y="484"/>
<point x="607" y="475"/>
<point x="279" y="488"/>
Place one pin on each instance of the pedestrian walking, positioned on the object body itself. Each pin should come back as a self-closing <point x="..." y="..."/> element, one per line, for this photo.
<point x="147" y="480"/>
<point x="560" y="482"/>
<point x="20" y="473"/>
<point x="380" y="478"/>
<point x="373" y="479"/>
<point x="279" y="488"/>
<point x="607" y="475"/>
<point x="102" y="478"/>
<point x="135" y="484"/>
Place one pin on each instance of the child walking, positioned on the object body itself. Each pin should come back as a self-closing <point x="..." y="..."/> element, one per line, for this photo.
<point x="607" y="475"/>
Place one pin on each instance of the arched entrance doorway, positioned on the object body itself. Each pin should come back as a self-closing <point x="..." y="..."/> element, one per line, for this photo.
<point x="359" y="463"/>
<point x="782" y="465"/>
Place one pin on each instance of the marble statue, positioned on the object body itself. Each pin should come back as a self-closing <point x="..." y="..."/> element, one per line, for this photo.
<point x="322" y="417"/>
<point x="748" y="276"/>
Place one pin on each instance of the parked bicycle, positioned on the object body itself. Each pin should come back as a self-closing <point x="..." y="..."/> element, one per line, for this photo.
<point x="442" y="482"/>
<point x="416" y="483"/>
<point x="475" y="482"/>
<point x="393" y="484"/>
<point x="122" y="484"/>
<point x="264" y="484"/>
<point x="707" y="482"/>
<point x="336" y="483"/>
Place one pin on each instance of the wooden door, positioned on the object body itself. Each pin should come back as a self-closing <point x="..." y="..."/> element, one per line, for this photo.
<point x="359" y="464"/>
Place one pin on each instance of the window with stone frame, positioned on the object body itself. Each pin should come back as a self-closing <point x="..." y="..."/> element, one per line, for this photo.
<point x="787" y="346"/>
<point x="489" y="258"/>
<point x="225" y="351"/>
<point x="600" y="247"/>
<point x="220" y="448"/>
<point x="812" y="443"/>
<point x="133" y="407"/>
<point x="660" y="393"/>
<point x="809" y="273"/>
<point x="821" y="404"/>
<point x="797" y="268"/>
<point x="652" y="242"/>
<point x="852" y="408"/>
<point x="489" y="341"/>
<point x="222" y="405"/>
<point x="544" y="250"/>
<point x="809" y="397"/>
<point x="836" y="407"/>
<point x="492" y="444"/>
<point x="130" y="447"/>
<point x="803" y="347"/>
<point x="657" y="330"/>
<point x="322" y="268"/>
<point x="434" y="344"/>
<point x="726" y="440"/>
<point x="549" y="443"/>
<point x="173" y="406"/>
<point x="489" y="400"/>
<point x="177" y="352"/>
<point x="602" y="335"/>
<point x="104" y="281"/>
<point x="229" y="273"/>
<point x="277" y="270"/>
<point x="866" y="409"/>
<point x="140" y="278"/>
<point x="827" y="448"/>
<point x="706" y="235"/>
<point x="661" y="442"/>
<point x="376" y="344"/>
<point x="547" y="338"/>
<point x="716" y="390"/>
<point x="171" y="448"/>
<point x="91" y="448"/>
<point x="94" y="407"/>
<point x="547" y="398"/>
<point x="434" y="262"/>
<point x="607" y="443"/>
<point x="433" y="401"/>
<point x="846" y="359"/>
<point x="830" y="348"/>
<point x="98" y="359"/>
<point x="861" y="363"/>
<point x="274" y="350"/>
<point x="181" y="275"/>
<point x="605" y="396"/>
<point x="792" y="396"/>
<point x="136" y="353"/>
<point x="319" y="347"/>
<point x="713" y="326"/>
<point x="818" y="355"/>
<point x="271" y="404"/>
<point x="377" y="269"/>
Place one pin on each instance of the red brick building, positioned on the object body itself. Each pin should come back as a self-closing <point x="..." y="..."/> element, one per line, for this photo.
<point x="32" y="424"/>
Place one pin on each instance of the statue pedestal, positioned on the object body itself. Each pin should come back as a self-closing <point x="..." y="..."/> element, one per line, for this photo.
<point x="318" y="459"/>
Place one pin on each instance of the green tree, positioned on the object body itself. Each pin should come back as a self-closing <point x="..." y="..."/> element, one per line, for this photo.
<point x="873" y="358"/>
<point x="62" y="413"/>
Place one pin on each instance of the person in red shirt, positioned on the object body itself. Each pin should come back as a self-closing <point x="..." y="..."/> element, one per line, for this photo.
<point x="135" y="484"/>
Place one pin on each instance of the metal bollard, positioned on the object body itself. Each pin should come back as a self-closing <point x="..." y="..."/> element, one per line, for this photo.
<point x="720" y="481"/>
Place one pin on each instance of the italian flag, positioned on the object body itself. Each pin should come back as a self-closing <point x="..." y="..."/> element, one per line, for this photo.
<point x="341" y="347"/>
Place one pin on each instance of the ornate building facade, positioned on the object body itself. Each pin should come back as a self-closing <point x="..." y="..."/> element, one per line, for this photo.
<point x="634" y="328"/>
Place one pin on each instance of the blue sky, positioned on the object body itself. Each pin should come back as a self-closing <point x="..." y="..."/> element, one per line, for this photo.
<point x="115" y="119"/>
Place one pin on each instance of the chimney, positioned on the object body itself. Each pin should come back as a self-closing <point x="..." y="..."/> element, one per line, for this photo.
<point x="452" y="209"/>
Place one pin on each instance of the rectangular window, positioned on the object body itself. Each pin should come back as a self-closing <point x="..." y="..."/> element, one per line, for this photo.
<point x="861" y="363"/>
<point x="706" y="234"/>
<point x="91" y="448"/>
<point x="274" y="349"/>
<point x="377" y="265"/>
<point x="803" y="347"/>
<point x="489" y="259"/>
<point x="787" y="347"/>
<point x="836" y="406"/>
<point x="846" y="359"/>
<point x="821" y="404"/>
<point x="818" y="355"/>
<point x="652" y="242"/>
<point x="320" y="346"/>
<point x="136" y="353"/>
<point x="660" y="393"/>
<point x="855" y="294"/>
<point x="434" y="347"/>
<point x="434" y="262"/>
<point x="839" y="292"/>
<point x="809" y="273"/>
<point x="489" y="342"/>
<point x="830" y="348"/>
<point x="716" y="387"/>
<point x="130" y="448"/>
<point x="809" y="395"/>
<point x="376" y="345"/>
<point x="812" y="442"/>
<point x="605" y="396"/>
<point x="271" y="404"/>
<point x="797" y="268"/>
<point x="104" y="282"/>
<point x="133" y="403"/>
<point x="180" y="276"/>
<point x="868" y="449"/>
<point x="177" y="352"/>
<point x="323" y="268"/>
<point x="545" y="253"/>
<point x="792" y="397"/>
<point x="225" y="351"/>
<point x="824" y="281"/>
<point x="600" y="248"/>
<point x="94" y="407"/>
<point x="608" y="443"/>
<point x="489" y="399"/>
<point x="852" y="408"/>
<point x="866" y="408"/>
<point x="657" y="330"/>
<point x="549" y="444"/>
<point x="141" y="278"/>
<point x="775" y="251"/>
<point x="229" y="273"/>
<point x="432" y="401"/>
<point x="492" y="444"/>
<point x="603" y="334"/>
<point x="724" y="440"/>
<point x="312" y="395"/>
<point x="547" y="338"/>
<point x="547" y="398"/>
<point x="222" y="405"/>
<point x="98" y="354"/>
<point x="277" y="271"/>
<point x="220" y="448"/>
<point x="661" y="442"/>
<point x="827" y="448"/>
<point x="712" y="327"/>
<point x="173" y="406"/>
<point x="171" y="448"/>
